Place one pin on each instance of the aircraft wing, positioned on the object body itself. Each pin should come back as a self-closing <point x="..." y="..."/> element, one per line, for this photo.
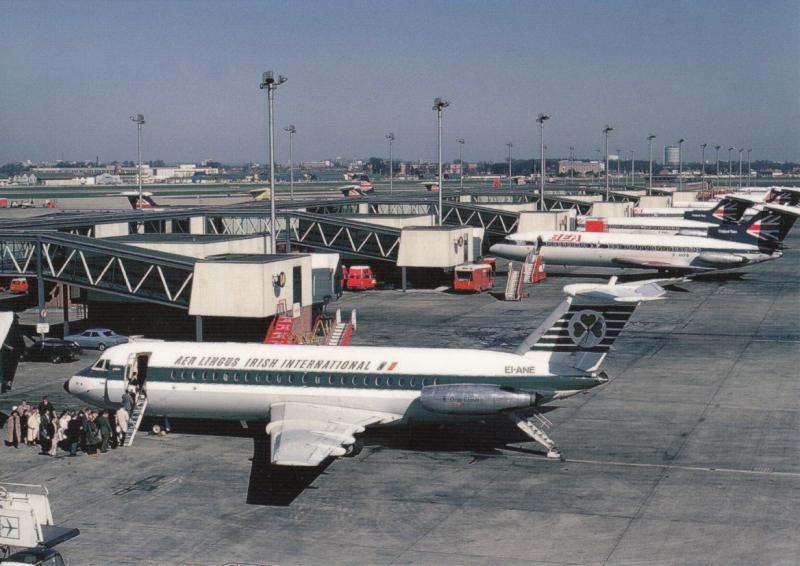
<point x="304" y="434"/>
<point x="657" y="264"/>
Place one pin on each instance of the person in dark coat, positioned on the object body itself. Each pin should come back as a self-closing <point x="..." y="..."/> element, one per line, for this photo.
<point x="93" y="436"/>
<point x="127" y="401"/>
<point x="74" y="429"/>
<point x="105" y="430"/>
<point x="84" y="418"/>
<point x="45" y="406"/>
<point x="47" y="431"/>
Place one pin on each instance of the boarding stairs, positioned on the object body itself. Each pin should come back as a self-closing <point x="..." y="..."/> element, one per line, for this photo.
<point x="534" y="425"/>
<point x="280" y="330"/>
<point x="341" y="331"/>
<point x="135" y="419"/>
<point x="514" y="283"/>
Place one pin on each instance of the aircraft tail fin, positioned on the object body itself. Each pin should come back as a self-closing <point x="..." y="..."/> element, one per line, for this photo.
<point x="766" y="229"/>
<point x="136" y="203"/>
<point x="581" y="330"/>
<point x="730" y="208"/>
<point x="789" y="196"/>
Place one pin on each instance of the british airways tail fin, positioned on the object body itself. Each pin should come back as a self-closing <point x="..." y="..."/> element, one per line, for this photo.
<point x="766" y="229"/>
<point x="730" y="208"/>
<point x="581" y="330"/>
<point x="789" y="196"/>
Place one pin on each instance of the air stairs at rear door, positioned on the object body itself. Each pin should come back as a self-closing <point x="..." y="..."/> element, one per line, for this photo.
<point x="135" y="420"/>
<point x="341" y="331"/>
<point x="280" y="331"/>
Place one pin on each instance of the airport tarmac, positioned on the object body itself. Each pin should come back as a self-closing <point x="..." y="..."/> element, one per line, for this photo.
<point x="689" y="455"/>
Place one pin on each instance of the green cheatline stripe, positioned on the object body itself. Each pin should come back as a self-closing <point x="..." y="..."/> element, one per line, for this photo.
<point x="371" y="381"/>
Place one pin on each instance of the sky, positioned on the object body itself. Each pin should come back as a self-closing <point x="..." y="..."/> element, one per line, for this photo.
<point x="71" y="74"/>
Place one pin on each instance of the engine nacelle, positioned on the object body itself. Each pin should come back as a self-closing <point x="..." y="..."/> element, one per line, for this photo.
<point x="721" y="258"/>
<point x="474" y="399"/>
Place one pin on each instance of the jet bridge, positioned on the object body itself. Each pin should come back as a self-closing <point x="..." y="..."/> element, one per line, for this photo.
<point x="101" y="265"/>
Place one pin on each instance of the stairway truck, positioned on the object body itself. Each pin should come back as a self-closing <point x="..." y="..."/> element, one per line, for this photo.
<point x="474" y="399"/>
<point x="473" y="278"/>
<point x="360" y="278"/>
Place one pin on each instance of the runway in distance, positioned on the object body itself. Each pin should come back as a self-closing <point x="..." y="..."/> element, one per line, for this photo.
<point x="317" y="398"/>
<point x="727" y="245"/>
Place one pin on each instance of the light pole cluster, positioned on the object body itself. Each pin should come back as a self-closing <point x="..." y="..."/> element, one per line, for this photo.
<point x="270" y="83"/>
<point x="440" y="104"/>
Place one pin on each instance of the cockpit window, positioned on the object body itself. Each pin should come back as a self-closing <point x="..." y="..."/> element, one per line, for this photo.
<point x="100" y="365"/>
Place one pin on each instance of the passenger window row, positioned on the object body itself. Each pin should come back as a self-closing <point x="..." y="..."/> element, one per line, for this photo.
<point x="346" y="380"/>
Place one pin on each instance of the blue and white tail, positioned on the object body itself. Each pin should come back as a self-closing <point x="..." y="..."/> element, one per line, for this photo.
<point x="729" y="209"/>
<point x="580" y="331"/>
<point x="766" y="229"/>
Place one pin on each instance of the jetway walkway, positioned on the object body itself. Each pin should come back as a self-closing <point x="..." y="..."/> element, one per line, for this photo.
<point x="102" y="265"/>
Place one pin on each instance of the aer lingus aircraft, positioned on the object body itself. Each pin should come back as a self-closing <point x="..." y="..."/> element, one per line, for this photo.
<point x="316" y="398"/>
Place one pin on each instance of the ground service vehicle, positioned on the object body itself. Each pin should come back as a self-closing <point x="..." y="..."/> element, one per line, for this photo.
<point x="473" y="278"/>
<point x="359" y="278"/>
<point x="53" y="350"/>
<point x="18" y="285"/>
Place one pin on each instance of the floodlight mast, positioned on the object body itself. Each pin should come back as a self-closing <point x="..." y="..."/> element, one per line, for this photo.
<point x="606" y="130"/>
<point x="749" y="172"/>
<point x="650" y="139"/>
<point x="542" y="118"/>
<point x="138" y="119"/>
<point x="270" y="83"/>
<point x="680" y="162"/>
<point x="741" y="151"/>
<point x="509" y="145"/>
<point x="703" y="147"/>
<point x="440" y="104"/>
<point x="292" y="131"/>
<point x="461" y="164"/>
<point x="571" y="163"/>
<point x="730" y="166"/>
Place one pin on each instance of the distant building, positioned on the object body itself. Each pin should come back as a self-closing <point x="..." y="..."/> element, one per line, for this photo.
<point x="672" y="155"/>
<point x="316" y="164"/>
<point x="107" y="179"/>
<point x="580" y="167"/>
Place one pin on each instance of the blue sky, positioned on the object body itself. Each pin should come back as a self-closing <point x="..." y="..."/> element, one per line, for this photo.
<point x="715" y="72"/>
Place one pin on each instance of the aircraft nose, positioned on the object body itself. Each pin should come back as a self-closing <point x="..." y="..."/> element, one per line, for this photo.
<point x="66" y="385"/>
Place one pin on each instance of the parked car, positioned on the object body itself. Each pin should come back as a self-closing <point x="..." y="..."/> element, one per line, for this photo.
<point x="97" y="338"/>
<point x="52" y="350"/>
<point x="359" y="278"/>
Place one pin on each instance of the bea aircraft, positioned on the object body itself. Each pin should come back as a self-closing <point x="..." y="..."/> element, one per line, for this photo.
<point x="727" y="245"/>
<point x="317" y="398"/>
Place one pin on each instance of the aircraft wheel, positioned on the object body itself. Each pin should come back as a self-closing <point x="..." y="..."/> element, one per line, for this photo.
<point x="355" y="448"/>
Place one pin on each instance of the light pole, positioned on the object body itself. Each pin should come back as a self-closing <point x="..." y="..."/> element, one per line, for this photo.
<point x="680" y="162"/>
<point x="605" y="131"/>
<point x="717" y="148"/>
<point x="461" y="164"/>
<point x="633" y="168"/>
<point x="749" y="173"/>
<point x="440" y="104"/>
<point x="650" y="139"/>
<point x="138" y="119"/>
<point x="730" y="167"/>
<point x="619" y="165"/>
<point x="292" y="131"/>
<point x="510" y="145"/>
<point x="390" y="137"/>
<point x="741" y="151"/>
<point x="542" y="118"/>
<point x="703" y="160"/>
<point x="571" y="163"/>
<point x="269" y="83"/>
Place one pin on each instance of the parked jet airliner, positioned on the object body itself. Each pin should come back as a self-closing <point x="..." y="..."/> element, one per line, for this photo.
<point x="728" y="246"/>
<point x="317" y="398"/>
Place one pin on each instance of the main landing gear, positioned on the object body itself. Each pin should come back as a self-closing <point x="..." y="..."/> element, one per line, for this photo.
<point x="534" y="425"/>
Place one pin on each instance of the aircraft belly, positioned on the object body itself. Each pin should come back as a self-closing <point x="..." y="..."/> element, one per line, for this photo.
<point x="572" y="256"/>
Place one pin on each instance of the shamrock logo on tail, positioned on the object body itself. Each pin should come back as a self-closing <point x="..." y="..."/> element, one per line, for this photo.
<point x="587" y="328"/>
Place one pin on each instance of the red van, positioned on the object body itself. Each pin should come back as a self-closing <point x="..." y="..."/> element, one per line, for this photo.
<point x="359" y="278"/>
<point x="18" y="285"/>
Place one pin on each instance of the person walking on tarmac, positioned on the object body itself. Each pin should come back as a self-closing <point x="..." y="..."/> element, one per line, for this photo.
<point x="74" y="428"/>
<point x="122" y="424"/>
<point x="105" y="431"/>
<point x="13" y="432"/>
<point x="93" y="436"/>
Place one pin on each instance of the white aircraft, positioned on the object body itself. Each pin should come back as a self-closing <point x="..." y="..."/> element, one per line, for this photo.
<point x="728" y="246"/>
<point x="317" y="398"/>
<point x="702" y="210"/>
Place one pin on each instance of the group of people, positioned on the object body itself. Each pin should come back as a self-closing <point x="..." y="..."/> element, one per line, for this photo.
<point x="86" y="430"/>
